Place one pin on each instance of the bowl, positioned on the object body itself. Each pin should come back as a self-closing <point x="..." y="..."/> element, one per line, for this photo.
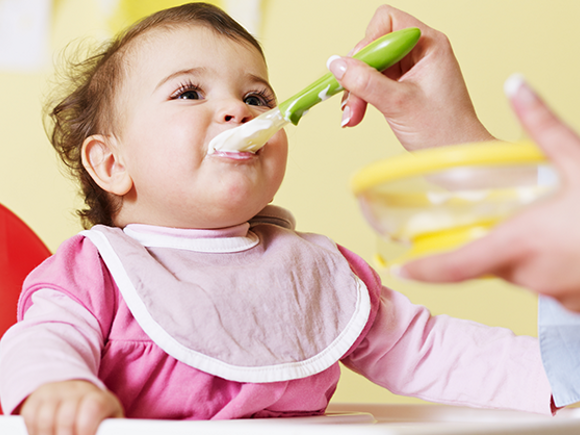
<point x="438" y="199"/>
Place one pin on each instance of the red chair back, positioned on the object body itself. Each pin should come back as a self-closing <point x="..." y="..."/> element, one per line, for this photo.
<point x="21" y="250"/>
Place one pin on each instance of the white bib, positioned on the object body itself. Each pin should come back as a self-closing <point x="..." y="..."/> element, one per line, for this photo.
<point x="265" y="306"/>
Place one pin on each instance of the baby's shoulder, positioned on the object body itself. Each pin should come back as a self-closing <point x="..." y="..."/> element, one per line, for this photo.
<point x="75" y="261"/>
<point x="75" y="270"/>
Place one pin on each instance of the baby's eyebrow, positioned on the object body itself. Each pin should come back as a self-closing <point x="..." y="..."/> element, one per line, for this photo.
<point x="191" y="71"/>
<point x="264" y="82"/>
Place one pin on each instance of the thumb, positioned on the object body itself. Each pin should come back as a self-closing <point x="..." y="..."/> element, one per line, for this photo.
<point x="363" y="82"/>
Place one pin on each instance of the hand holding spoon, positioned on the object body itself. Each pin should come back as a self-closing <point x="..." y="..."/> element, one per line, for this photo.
<point x="253" y="135"/>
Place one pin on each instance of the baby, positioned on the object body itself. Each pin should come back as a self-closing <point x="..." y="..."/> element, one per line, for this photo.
<point x="190" y="297"/>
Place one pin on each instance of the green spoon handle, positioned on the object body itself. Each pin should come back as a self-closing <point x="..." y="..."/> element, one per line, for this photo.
<point x="380" y="54"/>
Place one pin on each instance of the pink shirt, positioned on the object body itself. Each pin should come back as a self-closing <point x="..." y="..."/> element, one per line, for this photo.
<point x="78" y="326"/>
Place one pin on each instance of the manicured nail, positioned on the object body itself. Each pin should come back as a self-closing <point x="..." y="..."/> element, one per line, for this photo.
<point x="336" y="65"/>
<point x="345" y="116"/>
<point x="344" y="100"/>
<point x="517" y="87"/>
<point x="513" y="84"/>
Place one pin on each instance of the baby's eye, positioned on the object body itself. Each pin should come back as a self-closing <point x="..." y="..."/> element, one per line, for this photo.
<point x="189" y="95"/>
<point x="188" y="91"/>
<point x="254" y="100"/>
<point x="259" y="99"/>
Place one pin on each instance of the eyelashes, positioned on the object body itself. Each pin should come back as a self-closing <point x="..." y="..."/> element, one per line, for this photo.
<point x="187" y="91"/>
<point x="266" y="98"/>
<point x="191" y="91"/>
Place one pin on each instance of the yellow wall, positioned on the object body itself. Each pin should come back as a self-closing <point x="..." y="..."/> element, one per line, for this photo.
<point x="491" y="38"/>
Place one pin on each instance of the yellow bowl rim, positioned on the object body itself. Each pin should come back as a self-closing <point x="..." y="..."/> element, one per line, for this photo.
<point x="434" y="159"/>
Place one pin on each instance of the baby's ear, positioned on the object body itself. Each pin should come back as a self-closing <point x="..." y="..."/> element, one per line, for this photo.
<point x="104" y="164"/>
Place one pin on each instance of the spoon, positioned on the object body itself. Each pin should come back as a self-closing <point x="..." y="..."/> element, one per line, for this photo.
<point x="253" y="135"/>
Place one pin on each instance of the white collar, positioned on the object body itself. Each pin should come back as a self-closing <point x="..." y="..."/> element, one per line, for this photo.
<point x="223" y="240"/>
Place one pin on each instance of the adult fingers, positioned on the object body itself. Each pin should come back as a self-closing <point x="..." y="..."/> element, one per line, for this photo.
<point x="386" y="19"/>
<point x="485" y="256"/>
<point x="560" y="143"/>
<point x="364" y="82"/>
<point x="353" y="110"/>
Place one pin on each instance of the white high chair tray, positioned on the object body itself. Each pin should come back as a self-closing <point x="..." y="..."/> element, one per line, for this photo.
<point x="364" y="419"/>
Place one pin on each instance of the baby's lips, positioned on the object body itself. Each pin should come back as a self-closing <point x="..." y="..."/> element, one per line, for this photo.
<point x="235" y="155"/>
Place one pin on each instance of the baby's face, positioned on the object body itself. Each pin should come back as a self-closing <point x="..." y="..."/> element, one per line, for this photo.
<point x="183" y="87"/>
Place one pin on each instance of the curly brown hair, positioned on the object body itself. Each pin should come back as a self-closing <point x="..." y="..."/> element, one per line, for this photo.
<point x="88" y="107"/>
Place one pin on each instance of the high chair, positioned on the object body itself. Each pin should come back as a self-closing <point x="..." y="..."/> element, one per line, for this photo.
<point x="20" y="251"/>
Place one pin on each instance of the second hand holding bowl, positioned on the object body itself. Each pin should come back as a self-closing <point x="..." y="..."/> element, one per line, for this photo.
<point x="438" y="199"/>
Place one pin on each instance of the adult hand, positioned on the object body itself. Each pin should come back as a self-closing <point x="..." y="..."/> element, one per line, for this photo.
<point x="68" y="408"/>
<point x="539" y="248"/>
<point x="423" y="98"/>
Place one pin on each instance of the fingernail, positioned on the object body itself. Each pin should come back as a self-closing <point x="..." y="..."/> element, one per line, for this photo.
<point x="513" y="84"/>
<point x="336" y="65"/>
<point x="517" y="87"/>
<point x="345" y="100"/>
<point x="345" y="116"/>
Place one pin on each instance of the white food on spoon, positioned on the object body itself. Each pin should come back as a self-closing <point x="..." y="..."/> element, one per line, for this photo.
<point x="251" y="136"/>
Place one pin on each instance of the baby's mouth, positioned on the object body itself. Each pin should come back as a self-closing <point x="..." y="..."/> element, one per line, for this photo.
<point x="251" y="136"/>
<point x="235" y="155"/>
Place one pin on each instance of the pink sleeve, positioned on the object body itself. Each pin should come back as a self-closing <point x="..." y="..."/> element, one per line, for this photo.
<point x="57" y="340"/>
<point x="447" y="360"/>
<point x="76" y="270"/>
<point x="65" y="310"/>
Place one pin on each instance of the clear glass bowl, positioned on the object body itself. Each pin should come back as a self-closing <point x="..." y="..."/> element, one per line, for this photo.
<point x="437" y="199"/>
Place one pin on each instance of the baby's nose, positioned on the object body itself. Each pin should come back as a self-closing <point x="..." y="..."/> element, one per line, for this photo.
<point x="234" y="111"/>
